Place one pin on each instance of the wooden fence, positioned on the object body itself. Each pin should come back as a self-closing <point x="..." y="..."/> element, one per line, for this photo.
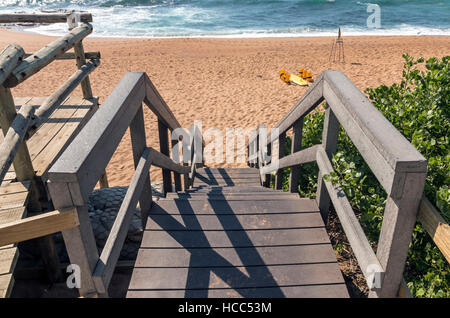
<point x="17" y="66"/>
<point x="397" y="165"/>
<point x="73" y="177"/>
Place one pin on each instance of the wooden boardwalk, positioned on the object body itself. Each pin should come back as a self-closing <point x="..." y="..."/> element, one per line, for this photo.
<point x="44" y="147"/>
<point x="231" y="237"/>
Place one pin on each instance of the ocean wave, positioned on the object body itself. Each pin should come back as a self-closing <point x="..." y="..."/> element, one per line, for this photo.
<point x="243" y="18"/>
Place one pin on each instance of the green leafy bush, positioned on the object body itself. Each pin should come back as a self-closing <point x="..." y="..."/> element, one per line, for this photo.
<point x="419" y="108"/>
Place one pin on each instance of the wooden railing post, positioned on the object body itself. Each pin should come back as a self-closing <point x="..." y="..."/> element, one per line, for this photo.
<point x="399" y="219"/>
<point x="139" y="144"/>
<point x="329" y="141"/>
<point x="176" y="176"/>
<point x="281" y="148"/>
<point x="268" y="177"/>
<point x="85" y="85"/>
<point x="80" y="240"/>
<point x="80" y="60"/>
<point x="297" y="130"/>
<point x="22" y="162"/>
<point x="164" y="148"/>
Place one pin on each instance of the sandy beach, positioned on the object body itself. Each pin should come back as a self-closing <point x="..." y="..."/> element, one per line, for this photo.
<point x="226" y="83"/>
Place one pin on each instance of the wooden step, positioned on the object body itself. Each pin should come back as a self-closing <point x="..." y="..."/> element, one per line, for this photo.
<point x="181" y="206"/>
<point x="235" y="239"/>
<point x="232" y="196"/>
<point x="233" y="222"/>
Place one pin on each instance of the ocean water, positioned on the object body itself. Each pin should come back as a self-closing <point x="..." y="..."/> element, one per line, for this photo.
<point x="245" y="18"/>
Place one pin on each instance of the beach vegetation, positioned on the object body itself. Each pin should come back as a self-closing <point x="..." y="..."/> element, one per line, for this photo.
<point x="418" y="107"/>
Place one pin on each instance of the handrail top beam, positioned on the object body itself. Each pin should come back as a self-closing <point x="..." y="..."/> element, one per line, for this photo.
<point x="399" y="153"/>
<point x="50" y="17"/>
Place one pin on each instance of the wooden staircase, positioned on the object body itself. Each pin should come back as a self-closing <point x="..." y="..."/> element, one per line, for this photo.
<point x="230" y="237"/>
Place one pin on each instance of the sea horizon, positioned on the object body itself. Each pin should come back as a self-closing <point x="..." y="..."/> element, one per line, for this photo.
<point x="243" y="19"/>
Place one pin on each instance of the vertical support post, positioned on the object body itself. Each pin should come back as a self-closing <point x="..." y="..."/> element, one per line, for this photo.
<point x="186" y="178"/>
<point x="164" y="148"/>
<point x="399" y="219"/>
<point x="139" y="144"/>
<point x="23" y="168"/>
<point x="79" y="241"/>
<point x="81" y="60"/>
<point x="268" y="177"/>
<point x="297" y="131"/>
<point x="176" y="175"/>
<point x="329" y="142"/>
<point x="78" y="49"/>
<point x="85" y="83"/>
<point x="281" y="148"/>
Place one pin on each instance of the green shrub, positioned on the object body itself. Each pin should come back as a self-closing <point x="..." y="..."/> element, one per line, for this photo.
<point x="419" y="108"/>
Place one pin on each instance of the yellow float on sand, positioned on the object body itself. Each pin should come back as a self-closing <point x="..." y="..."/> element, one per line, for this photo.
<point x="289" y="78"/>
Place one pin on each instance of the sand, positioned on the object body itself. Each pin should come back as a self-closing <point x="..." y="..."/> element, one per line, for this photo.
<point x="226" y="83"/>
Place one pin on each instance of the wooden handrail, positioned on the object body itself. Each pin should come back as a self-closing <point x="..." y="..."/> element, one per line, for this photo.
<point x="55" y="100"/>
<point x="110" y="254"/>
<point x="367" y="260"/>
<point x="10" y="57"/>
<point x="71" y="56"/>
<point x="398" y="166"/>
<point x="46" y="55"/>
<point x="74" y="175"/>
<point x="42" y="17"/>
<point x="14" y="137"/>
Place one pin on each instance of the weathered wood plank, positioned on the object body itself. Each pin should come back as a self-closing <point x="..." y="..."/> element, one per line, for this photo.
<point x="37" y="226"/>
<point x="6" y="285"/>
<point x="110" y="254"/>
<point x="297" y="134"/>
<point x="227" y="171"/>
<point x="22" y="161"/>
<point x="163" y="132"/>
<point x="437" y="228"/>
<point x="235" y="239"/>
<point x="383" y="147"/>
<point x="13" y="214"/>
<point x="234" y="197"/>
<point x="330" y="137"/>
<point x="34" y="63"/>
<point x="157" y="104"/>
<point x="14" y="200"/>
<point x="233" y="222"/>
<point x="281" y="153"/>
<point x="226" y="277"/>
<point x="14" y="137"/>
<point x="139" y="145"/>
<point x="86" y="157"/>
<point x="368" y="262"/>
<point x="61" y="94"/>
<point x="399" y="219"/>
<point x="233" y="207"/>
<point x="8" y="260"/>
<point x="71" y="55"/>
<point x="237" y="257"/>
<point x="10" y="56"/>
<point x="15" y="187"/>
<point x="60" y="133"/>
<point x="41" y="17"/>
<point x="297" y="158"/>
<point x="312" y="291"/>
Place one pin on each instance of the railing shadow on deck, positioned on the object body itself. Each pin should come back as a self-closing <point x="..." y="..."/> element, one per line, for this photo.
<point x="73" y="177"/>
<point x="398" y="166"/>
